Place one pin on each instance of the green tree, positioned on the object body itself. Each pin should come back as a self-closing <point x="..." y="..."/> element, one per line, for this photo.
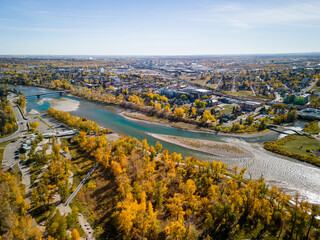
<point x="200" y="104"/>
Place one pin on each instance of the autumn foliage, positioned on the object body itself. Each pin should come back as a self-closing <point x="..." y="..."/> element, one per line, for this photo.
<point x="82" y="124"/>
<point x="183" y="198"/>
<point x="15" y="222"/>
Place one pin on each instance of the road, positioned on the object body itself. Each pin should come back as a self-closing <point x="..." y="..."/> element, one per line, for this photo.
<point x="307" y="89"/>
<point x="21" y="121"/>
<point x="9" y="155"/>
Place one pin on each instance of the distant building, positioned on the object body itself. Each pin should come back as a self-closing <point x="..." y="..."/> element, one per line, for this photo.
<point x="296" y="99"/>
<point x="198" y="93"/>
<point x="249" y="105"/>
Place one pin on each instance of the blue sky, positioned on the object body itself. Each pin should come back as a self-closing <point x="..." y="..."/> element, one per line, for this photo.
<point x="151" y="27"/>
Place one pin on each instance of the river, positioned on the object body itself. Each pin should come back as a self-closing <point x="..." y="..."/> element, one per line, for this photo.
<point x="288" y="174"/>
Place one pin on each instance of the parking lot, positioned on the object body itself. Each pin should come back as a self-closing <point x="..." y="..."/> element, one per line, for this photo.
<point x="11" y="153"/>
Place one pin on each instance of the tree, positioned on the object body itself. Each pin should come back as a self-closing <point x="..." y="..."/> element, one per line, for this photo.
<point x="176" y="230"/>
<point x="262" y="125"/>
<point x="175" y="208"/>
<point x="179" y="113"/>
<point x="34" y="125"/>
<point x="158" y="147"/>
<point x="208" y="116"/>
<point x="75" y="234"/>
<point x="235" y="127"/>
<point x="183" y="97"/>
<point x="249" y="120"/>
<point x="292" y="115"/>
<point x="57" y="226"/>
<point x="194" y="111"/>
<point x="200" y="104"/>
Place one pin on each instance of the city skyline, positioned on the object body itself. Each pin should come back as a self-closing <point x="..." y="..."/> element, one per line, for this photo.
<point x="158" y="28"/>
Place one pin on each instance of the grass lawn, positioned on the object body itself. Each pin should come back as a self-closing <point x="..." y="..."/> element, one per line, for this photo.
<point x="227" y="108"/>
<point x="245" y="94"/>
<point x="212" y="86"/>
<point x="300" y="144"/>
<point x="200" y="82"/>
<point x="312" y="127"/>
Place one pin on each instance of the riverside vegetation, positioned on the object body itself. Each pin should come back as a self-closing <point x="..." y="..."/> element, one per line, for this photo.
<point x="303" y="148"/>
<point x="153" y="194"/>
<point x="143" y="192"/>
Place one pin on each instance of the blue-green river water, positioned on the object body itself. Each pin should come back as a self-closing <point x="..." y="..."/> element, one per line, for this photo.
<point x="288" y="174"/>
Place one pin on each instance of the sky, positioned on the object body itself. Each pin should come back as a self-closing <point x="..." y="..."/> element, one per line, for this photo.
<point x="152" y="27"/>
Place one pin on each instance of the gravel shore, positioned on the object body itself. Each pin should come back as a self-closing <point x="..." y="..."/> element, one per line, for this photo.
<point x="224" y="150"/>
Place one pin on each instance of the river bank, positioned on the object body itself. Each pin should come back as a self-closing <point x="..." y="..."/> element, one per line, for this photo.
<point x="223" y="150"/>
<point x="288" y="174"/>
<point x="136" y="116"/>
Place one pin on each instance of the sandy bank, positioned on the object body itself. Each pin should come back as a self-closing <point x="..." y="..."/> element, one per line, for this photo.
<point x="33" y="112"/>
<point x="64" y="104"/>
<point x="224" y="150"/>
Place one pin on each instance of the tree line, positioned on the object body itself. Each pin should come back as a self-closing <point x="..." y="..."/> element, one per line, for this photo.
<point x="8" y="123"/>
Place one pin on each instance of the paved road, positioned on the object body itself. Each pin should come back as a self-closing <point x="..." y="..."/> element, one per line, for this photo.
<point x="22" y="123"/>
<point x="308" y="88"/>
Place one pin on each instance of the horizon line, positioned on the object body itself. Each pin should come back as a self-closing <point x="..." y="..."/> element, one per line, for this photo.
<point x="158" y="55"/>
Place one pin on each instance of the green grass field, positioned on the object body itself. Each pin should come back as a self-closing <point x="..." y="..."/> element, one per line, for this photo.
<point x="244" y="94"/>
<point x="301" y="144"/>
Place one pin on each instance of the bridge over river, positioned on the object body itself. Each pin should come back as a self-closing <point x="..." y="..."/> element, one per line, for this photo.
<point x="38" y="95"/>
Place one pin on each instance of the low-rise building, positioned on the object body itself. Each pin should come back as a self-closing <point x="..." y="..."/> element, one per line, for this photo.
<point x="249" y="105"/>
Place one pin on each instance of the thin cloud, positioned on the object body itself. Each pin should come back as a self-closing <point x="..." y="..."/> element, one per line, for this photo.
<point x="251" y="16"/>
<point x="44" y="29"/>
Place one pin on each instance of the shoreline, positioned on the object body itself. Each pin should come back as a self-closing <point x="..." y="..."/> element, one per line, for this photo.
<point x="128" y="115"/>
<point x="124" y="111"/>
<point x="222" y="150"/>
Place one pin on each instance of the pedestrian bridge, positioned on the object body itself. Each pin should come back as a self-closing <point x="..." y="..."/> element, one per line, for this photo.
<point x="38" y="95"/>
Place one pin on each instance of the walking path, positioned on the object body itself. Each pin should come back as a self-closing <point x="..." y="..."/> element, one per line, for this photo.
<point x="81" y="184"/>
